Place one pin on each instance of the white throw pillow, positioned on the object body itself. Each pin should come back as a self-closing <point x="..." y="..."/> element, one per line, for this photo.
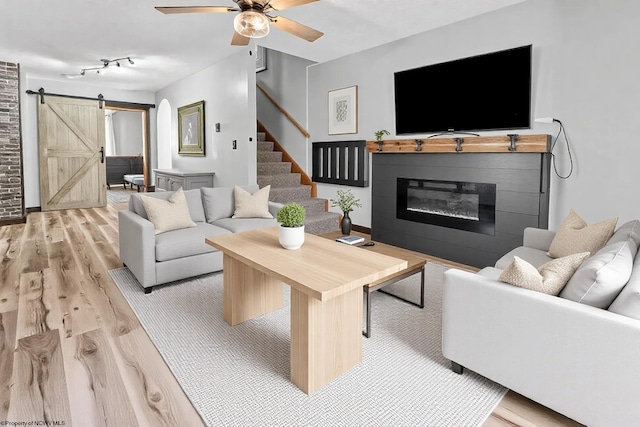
<point x="167" y="215"/>
<point x="601" y="278"/>
<point x="575" y="236"/>
<point x="249" y="205"/>
<point x="549" y="278"/>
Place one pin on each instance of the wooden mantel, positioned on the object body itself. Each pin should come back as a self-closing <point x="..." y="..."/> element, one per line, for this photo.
<point x="540" y="143"/>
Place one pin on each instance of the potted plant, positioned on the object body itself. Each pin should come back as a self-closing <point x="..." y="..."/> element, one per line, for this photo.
<point x="346" y="201"/>
<point x="291" y="218"/>
<point x="379" y="134"/>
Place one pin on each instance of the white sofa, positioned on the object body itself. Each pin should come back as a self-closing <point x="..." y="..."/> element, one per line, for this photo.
<point x="577" y="359"/>
<point x="155" y="259"/>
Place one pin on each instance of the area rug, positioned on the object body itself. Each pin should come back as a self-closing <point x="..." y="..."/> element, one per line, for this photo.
<point x="239" y="376"/>
<point x="119" y="196"/>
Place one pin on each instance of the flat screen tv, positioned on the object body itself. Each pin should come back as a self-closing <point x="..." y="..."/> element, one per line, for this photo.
<point x="491" y="91"/>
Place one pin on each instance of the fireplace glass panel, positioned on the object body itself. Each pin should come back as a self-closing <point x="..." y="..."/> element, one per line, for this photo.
<point x="456" y="201"/>
<point x="466" y="206"/>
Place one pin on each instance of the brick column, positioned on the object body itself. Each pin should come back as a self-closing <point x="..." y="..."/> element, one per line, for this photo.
<point x="11" y="178"/>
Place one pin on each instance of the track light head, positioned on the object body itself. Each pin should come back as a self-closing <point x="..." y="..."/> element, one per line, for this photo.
<point x="130" y="61"/>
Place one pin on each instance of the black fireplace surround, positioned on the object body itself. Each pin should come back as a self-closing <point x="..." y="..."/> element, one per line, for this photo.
<point x="517" y="197"/>
<point x="469" y="206"/>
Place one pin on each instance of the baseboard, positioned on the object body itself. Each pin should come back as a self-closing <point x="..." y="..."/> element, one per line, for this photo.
<point x="361" y="229"/>
<point x="4" y="222"/>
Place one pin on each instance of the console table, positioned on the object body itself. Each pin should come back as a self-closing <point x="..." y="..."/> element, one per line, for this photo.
<point x="173" y="179"/>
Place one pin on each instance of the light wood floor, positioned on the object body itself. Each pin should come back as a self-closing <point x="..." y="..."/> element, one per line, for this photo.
<point x="72" y="350"/>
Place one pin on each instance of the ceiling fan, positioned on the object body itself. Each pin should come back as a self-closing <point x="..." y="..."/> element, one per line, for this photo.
<point x="253" y="19"/>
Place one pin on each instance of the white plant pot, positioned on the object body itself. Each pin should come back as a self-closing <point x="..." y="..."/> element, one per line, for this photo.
<point x="291" y="237"/>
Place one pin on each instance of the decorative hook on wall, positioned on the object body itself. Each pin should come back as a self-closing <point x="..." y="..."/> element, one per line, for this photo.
<point x="459" y="142"/>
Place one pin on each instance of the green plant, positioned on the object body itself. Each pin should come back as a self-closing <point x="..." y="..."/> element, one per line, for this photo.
<point x="380" y="133"/>
<point x="291" y="215"/>
<point x="346" y="201"/>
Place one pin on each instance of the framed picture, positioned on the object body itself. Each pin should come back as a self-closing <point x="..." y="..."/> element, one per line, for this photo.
<point x="261" y="59"/>
<point x="191" y="129"/>
<point x="343" y="111"/>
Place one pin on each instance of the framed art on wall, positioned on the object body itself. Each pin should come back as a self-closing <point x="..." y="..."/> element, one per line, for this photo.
<point x="343" y="111"/>
<point x="191" y="129"/>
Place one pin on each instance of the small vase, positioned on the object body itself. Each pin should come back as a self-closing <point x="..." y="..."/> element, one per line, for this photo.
<point x="346" y="224"/>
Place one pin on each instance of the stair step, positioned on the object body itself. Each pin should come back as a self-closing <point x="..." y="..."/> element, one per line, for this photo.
<point x="279" y="180"/>
<point x="269" y="156"/>
<point x="273" y="168"/>
<point x="321" y="222"/>
<point x="289" y="194"/>
<point x="265" y="146"/>
<point x="312" y="204"/>
<point x="262" y="136"/>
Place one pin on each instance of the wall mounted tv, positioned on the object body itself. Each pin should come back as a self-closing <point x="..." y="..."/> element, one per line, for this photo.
<point x="485" y="92"/>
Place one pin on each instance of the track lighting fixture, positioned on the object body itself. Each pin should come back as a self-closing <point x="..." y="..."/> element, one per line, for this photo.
<point x="105" y="64"/>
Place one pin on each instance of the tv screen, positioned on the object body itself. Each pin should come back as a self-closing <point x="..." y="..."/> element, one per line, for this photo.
<point x="485" y="92"/>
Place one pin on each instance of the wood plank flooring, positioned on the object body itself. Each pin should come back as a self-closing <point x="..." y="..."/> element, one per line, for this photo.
<point x="72" y="350"/>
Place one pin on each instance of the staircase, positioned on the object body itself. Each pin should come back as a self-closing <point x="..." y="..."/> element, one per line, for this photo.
<point x="286" y="187"/>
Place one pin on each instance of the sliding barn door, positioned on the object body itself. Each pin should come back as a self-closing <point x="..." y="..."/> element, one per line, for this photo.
<point x="72" y="163"/>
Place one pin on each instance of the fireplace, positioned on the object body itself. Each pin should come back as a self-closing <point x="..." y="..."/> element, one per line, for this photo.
<point x="469" y="206"/>
<point x="510" y="191"/>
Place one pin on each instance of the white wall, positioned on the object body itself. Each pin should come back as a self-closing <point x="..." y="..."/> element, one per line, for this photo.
<point x="228" y="90"/>
<point x="585" y="73"/>
<point x="164" y="135"/>
<point x="285" y="79"/>
<point x="29" y="113"/>
<point x="127" y="127"/>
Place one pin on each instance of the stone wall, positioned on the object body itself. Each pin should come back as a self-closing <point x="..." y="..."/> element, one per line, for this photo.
<point x="11" y="188"/>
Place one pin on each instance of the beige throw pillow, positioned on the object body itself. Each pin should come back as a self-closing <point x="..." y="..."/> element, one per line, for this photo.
<point x="575" y="236"/>
<point x="167" y="215"/>
<point x="249" y="205"/>
<point x="549" y="278"/>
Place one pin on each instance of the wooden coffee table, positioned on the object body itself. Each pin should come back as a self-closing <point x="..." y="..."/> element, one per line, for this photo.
<point x="326" y="280"/>
<point x="416" y="263"/>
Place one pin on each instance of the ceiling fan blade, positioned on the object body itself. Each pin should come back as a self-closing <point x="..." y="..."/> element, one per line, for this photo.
<point x="286" y="4"/>
<point x="195" y="9"/>
<point x="295" y="28"/>
<point x="239" y="39"/>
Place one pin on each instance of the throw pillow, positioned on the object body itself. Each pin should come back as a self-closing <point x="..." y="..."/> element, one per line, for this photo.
<point x="249" y="205"/>
<point x="549" y="278"/>
<point x="575" y="236"/>
<point x="218" y="202"/>
<point x="601" y="278"/>
<point x="627" y="302"/>
<point x="170" y="214"/>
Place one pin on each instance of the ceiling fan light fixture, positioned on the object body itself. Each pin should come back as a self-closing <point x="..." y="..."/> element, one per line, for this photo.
<point x="251" y="24"/>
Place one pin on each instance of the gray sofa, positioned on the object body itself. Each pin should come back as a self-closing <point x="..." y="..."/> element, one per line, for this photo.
<point x="155" y="259"/>
<point x="576" y="358"/>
